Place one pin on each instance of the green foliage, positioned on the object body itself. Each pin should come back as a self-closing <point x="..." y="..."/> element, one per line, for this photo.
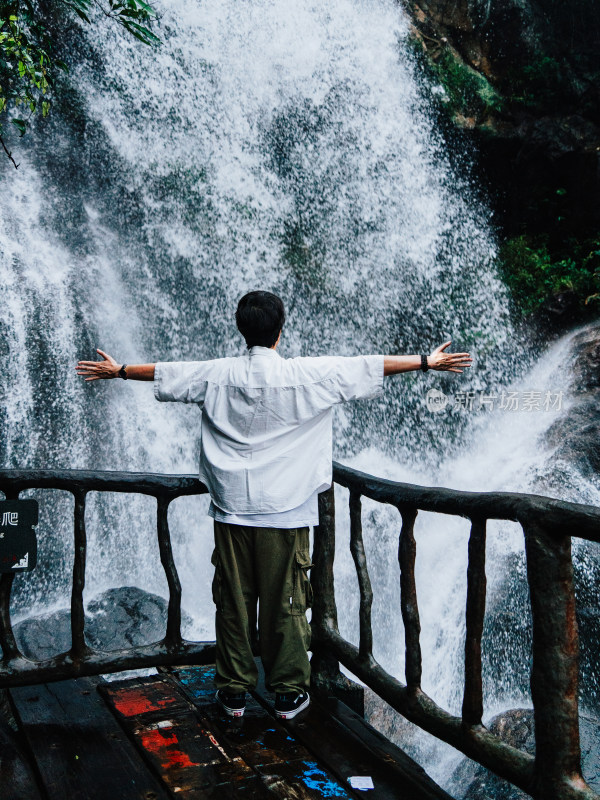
<point x="534" y="274"/>
<point x="538" y="85"/>
<point x="28" y="69"/>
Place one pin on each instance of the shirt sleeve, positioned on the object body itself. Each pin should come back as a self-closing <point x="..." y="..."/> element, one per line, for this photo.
<point x="358" y="377"/>
<point x="181" y="381"/>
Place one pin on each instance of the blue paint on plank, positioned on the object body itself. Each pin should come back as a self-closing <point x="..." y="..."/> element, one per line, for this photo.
<point x="199" y="681"/>
<point x="315" y="778"/>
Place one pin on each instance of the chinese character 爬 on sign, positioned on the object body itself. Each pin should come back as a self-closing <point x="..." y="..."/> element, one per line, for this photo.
<point x="18" y="543"/>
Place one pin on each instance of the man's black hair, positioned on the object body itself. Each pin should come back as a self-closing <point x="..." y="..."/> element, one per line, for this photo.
<point x="260" y="317"/>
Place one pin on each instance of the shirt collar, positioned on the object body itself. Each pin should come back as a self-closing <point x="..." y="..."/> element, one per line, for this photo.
<point x="258" y="350"/>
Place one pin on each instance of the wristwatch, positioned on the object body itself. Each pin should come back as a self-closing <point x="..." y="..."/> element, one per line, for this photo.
<point x="424" y="364"/>
<point x="121" y="373"/>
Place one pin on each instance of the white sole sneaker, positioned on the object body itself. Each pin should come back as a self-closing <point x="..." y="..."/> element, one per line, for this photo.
<point x="232" y="712"/>
<point x="290" y="714"/>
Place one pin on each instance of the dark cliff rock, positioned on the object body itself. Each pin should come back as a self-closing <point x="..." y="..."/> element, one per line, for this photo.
<point x="576" y="434"/>
<point x="521" y="78"/>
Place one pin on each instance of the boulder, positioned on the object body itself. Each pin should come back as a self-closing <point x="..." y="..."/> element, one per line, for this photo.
<point x="117" y="618"/>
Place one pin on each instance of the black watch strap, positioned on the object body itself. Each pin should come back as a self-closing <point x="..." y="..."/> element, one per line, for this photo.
<point x="424" y="365"/>
<point x="122" y="373"/>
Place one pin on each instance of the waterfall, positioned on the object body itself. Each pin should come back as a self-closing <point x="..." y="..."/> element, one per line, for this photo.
<point x="291" y="147"/>
<point x="504" y="449"/>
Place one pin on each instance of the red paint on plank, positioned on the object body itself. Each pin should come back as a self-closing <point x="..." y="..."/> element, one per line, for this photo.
<point x="163" y="744"/>
<point x="131" y="702"/>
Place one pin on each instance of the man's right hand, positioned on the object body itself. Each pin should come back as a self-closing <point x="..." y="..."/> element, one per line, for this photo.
<point x="448" y="362"/>
<point x="97" y="370"/>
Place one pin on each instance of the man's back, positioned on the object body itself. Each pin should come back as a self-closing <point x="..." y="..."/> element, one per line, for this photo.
<point x="266" y="421"/>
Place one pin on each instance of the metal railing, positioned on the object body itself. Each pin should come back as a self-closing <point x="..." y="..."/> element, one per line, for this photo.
<point x="555" y="771"/>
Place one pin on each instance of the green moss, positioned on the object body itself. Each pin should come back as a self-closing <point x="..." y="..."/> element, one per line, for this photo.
<point x="469" y="92"/>
<point x="534" y="274"/>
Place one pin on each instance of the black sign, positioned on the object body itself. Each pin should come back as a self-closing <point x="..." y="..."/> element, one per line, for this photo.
<point x="18" y="545"/>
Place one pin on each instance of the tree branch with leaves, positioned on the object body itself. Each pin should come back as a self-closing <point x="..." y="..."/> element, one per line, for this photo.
<point x="28" y="69"/>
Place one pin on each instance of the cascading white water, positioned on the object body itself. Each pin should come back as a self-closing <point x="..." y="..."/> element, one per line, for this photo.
<point x="288" y="147"/>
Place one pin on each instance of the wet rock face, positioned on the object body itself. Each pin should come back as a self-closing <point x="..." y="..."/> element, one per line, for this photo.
<point x="470" y="781"/>
<point x="534" y="109"/>
<point x="576" y="435"/>
<point x="118" y="618"/>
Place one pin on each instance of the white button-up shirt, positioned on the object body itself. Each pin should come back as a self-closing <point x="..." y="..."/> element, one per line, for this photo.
<point x="266" y="429"/>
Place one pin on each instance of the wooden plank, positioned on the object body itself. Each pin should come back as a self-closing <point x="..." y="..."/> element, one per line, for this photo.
<point x="303" y="779"/>
<point x="151" y="696"/>
<point x="80" y="750"/>
<point x="17" y="778"/>
<point x="256" y="736"/>
<point x="346" y="745"/>
<point x="397" y="767"/>
<point x="180" y="746"/>
<point x="285" y="765"/>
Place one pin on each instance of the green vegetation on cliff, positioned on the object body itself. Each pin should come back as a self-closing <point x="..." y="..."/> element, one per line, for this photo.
<point x="535" y="275"/>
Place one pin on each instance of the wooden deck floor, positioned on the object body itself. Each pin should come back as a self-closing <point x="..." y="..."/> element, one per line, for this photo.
<point x="162" y="737"/>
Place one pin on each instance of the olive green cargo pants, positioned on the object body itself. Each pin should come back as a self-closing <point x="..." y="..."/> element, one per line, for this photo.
<point x="268" y="566"/>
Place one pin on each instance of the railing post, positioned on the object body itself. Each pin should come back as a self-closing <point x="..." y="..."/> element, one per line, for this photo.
<point x="325" y="669"/>
<point x="554" y="674"/>
<point x="78" y="645"/>
<point x="357" y="549"/>
<point x="173" y="634"/>
<point x="326" y="678"/>
<point x="472" y="708"/>
<point x="407" y="552"/>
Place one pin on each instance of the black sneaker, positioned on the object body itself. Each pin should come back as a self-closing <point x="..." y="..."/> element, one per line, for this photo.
<point x="232" y="704"/>
<point x="288" y="705"/>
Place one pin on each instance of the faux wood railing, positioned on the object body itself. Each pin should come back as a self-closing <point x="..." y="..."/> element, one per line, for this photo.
<point x="81" y="659"/>
<point x="555" y="772"/>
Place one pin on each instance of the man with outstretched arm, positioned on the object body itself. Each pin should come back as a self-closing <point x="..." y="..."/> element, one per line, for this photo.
<point x="266" y="453"/>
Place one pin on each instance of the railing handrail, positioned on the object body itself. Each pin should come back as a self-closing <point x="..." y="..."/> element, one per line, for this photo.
<point x="515" y="506"/>
<point x="82" y="659"/>
<point x="548" y="526"/>
<point x="151" y="483"/>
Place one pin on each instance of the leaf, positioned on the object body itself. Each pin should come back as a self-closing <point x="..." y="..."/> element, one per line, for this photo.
<point x="141" y="33"/>
<point x="21" y="125"/>
<point x="80" y="7"/>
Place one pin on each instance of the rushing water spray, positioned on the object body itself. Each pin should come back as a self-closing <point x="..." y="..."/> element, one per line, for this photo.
<point x="263" y="145"/>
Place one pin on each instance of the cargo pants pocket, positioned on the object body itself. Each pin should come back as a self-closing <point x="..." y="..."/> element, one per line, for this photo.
<point x="217" y="583"/>
<point x="302" y="593"/>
